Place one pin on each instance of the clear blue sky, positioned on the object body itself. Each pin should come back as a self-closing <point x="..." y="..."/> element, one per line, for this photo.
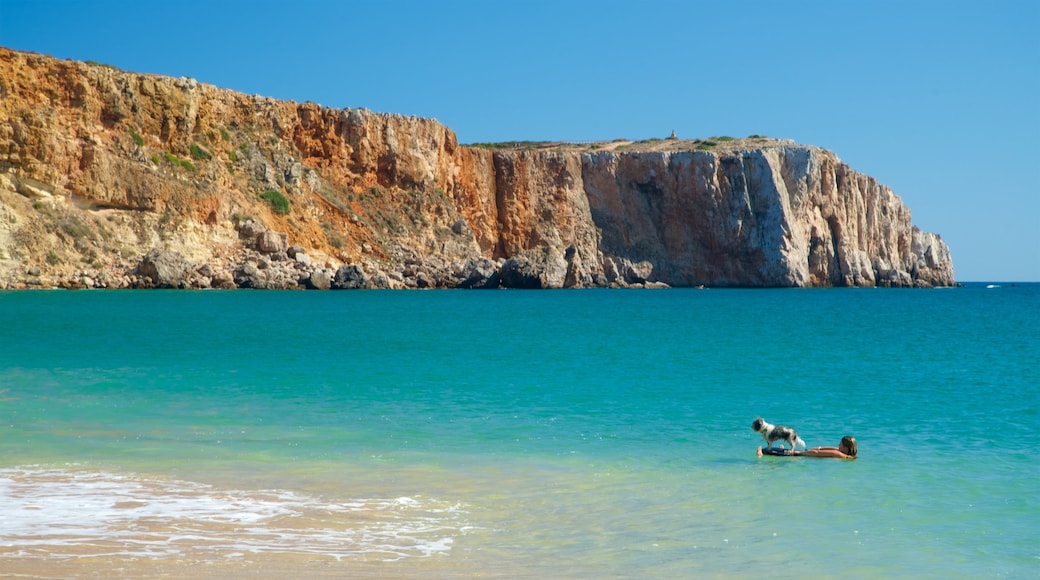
<point x="937" y="99"/>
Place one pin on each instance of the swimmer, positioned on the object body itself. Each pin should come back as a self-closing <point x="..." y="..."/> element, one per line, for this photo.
<point x="845" y="450"/>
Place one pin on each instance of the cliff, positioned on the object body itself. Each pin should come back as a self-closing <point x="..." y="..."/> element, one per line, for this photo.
<point x="113" y="179"/>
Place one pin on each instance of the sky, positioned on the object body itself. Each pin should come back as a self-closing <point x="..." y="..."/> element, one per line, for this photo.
<point x="936" y="99"/>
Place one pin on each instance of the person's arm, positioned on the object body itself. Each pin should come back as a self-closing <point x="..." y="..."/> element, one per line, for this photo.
<point x="826" y="452"/>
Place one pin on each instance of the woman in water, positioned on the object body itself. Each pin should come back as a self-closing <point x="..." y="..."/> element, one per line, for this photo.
<point x="845" y="450"/>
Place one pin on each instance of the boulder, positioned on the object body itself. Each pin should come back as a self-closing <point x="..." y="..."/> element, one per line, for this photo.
<point x="272" y="242"/>
<point x="250" y="229"/>
<point x="319" y="280"/>
<point x="248" y="276"/>
<point x="303" y="260"/>
<point x="165" y="269"/>
<point x="350" y="277"/>
<point x="479" y="273"/>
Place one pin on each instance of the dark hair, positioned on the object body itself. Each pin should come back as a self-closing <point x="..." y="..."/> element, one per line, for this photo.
<point x="850" y="443"/>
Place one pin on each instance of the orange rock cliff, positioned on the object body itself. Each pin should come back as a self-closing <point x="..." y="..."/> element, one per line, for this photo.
<point x="113" y="179"/>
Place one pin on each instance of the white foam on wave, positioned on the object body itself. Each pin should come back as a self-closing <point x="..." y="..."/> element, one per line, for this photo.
<point x="48" y="512"/>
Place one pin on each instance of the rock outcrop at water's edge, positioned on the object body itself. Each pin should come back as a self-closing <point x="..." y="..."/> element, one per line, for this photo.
<point x="112" y="179"/>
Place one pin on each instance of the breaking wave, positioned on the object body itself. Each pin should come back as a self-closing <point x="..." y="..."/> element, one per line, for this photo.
<point x="52" y="513"/>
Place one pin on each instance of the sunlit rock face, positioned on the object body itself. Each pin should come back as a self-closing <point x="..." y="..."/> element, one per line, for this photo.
<point x="777" y="215"/>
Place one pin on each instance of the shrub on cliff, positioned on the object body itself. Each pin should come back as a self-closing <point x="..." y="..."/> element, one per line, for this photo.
<point x="278" y="202"/>
<point x="199" y="153"/>
<point x="177" y="161"/>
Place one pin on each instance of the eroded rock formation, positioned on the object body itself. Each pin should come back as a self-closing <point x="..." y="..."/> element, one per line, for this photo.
<point x="114" y="179"/>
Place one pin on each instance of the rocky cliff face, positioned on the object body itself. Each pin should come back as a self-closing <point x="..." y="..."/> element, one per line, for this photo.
<point x="113" y="179"/>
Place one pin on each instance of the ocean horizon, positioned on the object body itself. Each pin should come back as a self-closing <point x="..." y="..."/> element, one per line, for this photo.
<point x="513" y="433"/>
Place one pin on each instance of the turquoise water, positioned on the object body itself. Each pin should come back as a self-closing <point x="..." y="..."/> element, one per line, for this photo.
<point x="582" y="433"/>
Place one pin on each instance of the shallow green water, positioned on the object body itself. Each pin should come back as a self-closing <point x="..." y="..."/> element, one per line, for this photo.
<point x="569" y="433"/>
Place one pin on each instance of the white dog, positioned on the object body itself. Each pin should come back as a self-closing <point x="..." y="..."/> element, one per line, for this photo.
<point x="773" y="433"/>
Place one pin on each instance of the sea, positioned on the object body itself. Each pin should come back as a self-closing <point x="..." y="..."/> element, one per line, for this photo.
<point x="519" y="434"/>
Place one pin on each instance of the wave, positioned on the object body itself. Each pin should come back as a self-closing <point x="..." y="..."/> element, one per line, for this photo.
<point x="70" y="513"/>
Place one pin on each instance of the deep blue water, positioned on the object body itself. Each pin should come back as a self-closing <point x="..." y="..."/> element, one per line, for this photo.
<point x="570" y="433"/>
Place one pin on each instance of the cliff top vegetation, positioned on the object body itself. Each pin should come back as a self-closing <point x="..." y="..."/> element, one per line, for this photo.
<point x="718" y="143"/>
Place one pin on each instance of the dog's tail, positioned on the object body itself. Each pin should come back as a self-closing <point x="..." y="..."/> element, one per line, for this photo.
<point x="798" y="441"/>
